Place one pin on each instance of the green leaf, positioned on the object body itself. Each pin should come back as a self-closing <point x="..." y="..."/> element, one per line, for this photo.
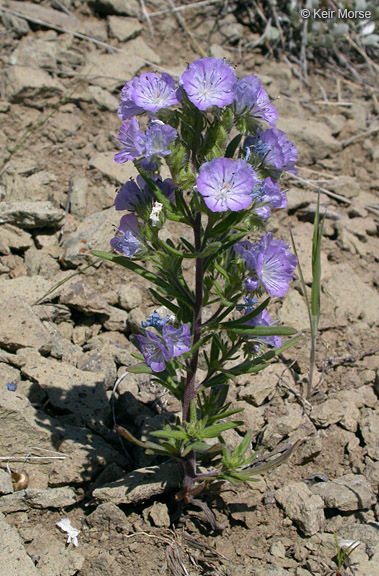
<point x="211" y="248"/>
<point x="232" y="146"/>
<point x="263" y="330"/>
<point x="177" y="434"/>
<point x="164" y="301"/>
<point x="134" y="267"/>
<point x="217" y="429"/>
<point x="225" y="414"/>
<point x="240" y="322"/>
<point x="140" y="369"/>
<point x="240" y="451"/>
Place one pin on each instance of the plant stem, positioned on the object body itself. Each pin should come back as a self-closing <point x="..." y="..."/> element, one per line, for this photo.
<point x="189" y="466"/>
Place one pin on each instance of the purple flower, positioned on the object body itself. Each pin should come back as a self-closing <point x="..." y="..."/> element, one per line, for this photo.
<point x="273" y="148"/>
<point x="226" y="184"/>
<point x="251" y="99"/>
<point x="148" y="92"/>
<point x="264" y="319"/>
<point x="127" y="242"/>
<point x="152" y="93"/>
<point x="177" y="340"/>
<point x="157" y="138"/>
<point x="154" y="352"/>
<point x="209" y="82"/>
<point x="134" y="194"/>
<point x="251" y="284"/>
<point x="128" y="107"/>
<point x="270" y="197"/>
<point x="272" y="262"/>
<point x="133" y="140"/>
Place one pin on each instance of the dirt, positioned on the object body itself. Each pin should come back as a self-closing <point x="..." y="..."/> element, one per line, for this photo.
<point x="67" y="112"/>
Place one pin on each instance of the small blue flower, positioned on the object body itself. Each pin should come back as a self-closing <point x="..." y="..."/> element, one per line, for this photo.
<point x="155" y="321"/>
<point x="11" y="386"/>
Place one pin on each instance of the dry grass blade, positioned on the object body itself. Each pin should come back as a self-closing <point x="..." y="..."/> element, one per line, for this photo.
<point x="186" y="7"/>
<point x="358" y="137"/>
<point x="322" y="190"/>
<point x="180" y="20"/>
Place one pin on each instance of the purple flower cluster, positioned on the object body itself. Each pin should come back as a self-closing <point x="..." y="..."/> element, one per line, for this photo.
<point x="133" y="194"/>
<point x="273" y="149"/>
<point x="157" y="351"/>
<point x="271" y="261"/>
<point x="268" y="197"/>
<point x="252" y="100"/>
<point x="151" y="144"/>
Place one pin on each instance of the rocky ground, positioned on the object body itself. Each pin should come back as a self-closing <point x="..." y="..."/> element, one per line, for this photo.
<point x="64" y="350"/>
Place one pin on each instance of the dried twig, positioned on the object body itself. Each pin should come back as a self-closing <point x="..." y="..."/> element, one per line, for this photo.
<point x="357" y="137"/>
<point x="180" y="19"/>
<point x="322" y="190"/>
<point x="337" y="360"/>
<point x="186" y="7"/>
<point x="146" y="15"/>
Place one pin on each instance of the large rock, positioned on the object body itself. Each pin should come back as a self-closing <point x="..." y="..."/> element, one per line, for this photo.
<point x="29" y="289"/>
<point x="124" y="29"/>
<point x="117" y="173"/>
<point x="71" y="390"/>
<point x="47" y="544"/>
<point x="24" y="84"/>
<point x="130" y="8"/>
<point x="347" y="493"/>
<point x="5" y="483"/>
<point x="336" y="410"/>
<point x="48" y="15"/>
<point x="140" y="484"/>
<point x="289" y="422"/>
<point x="341" y="285"/>
<point x="369" y="427"/>
<point x="80" y="296"/>
<point x="13" y="238"/>
<point x="36" y="498"/>
<point x="111" y="71"/>
<point x="94" y="233"/>
<point x="302" y="507"/>
<point x="20" y="327"/>
<point x="84" y="454"/>
<point x="313" y="138"/>
<point x="13" y="556"/>
<point x="31" y="214"/>
<point x="257" y="388"/>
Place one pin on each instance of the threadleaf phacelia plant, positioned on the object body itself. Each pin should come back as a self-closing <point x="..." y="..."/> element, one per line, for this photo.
<point x="225" y="168"/>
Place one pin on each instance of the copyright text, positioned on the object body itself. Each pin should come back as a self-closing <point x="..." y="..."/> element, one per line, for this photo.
<point x="339" y="14"/>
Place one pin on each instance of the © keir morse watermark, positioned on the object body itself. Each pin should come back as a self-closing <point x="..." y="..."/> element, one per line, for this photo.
<point x="339" y="14"/>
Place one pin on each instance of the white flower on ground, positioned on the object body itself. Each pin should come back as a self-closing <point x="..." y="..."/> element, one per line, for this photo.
<point x="72" y="533"/>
